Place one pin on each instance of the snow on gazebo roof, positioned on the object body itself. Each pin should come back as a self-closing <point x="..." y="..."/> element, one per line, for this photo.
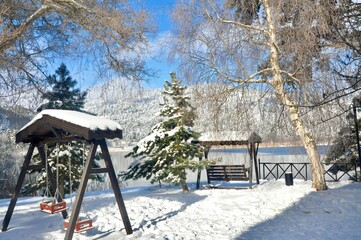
<point x="229" y="138"/>
<point x="67" y="125"/>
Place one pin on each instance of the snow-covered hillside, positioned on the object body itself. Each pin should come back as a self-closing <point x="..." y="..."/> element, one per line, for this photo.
<point x="11" y="120"/>
<point x="217" y="110"/>
<point x="135" y="110"/>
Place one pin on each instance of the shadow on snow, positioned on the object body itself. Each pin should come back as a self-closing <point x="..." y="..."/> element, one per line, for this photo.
<point x="331" y="214"/>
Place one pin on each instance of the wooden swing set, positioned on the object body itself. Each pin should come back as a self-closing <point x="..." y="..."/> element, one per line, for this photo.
<point x="62" y="126"/>
<point x="231" y="172"/>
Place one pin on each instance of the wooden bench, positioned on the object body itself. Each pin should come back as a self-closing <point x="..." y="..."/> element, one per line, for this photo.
<point x="227" y="173"/>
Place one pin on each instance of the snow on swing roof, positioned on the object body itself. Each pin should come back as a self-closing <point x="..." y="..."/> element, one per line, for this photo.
<point x="229" y="138"/>
<point x="56" y="123"/>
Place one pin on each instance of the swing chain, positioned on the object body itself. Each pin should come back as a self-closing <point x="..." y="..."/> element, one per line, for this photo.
<point x="57" y="166"/>
<point x="47" y="191"/>
<point x="70" y="177"/>
<point x="57" y="193"/>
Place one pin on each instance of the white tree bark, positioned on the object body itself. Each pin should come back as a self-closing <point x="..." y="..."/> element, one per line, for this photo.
<point x="278" y="83"/>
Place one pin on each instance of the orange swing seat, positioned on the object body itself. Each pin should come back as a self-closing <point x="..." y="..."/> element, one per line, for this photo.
<point x="51" y="206"/>
<point x="82" y="224"/>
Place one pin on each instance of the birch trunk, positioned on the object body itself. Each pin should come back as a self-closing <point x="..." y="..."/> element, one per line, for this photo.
<point x="278" y="83"/>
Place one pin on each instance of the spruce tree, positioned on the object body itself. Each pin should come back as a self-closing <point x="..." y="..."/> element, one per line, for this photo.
<point x="167" y="152"/>
<point x="63" y="95"/>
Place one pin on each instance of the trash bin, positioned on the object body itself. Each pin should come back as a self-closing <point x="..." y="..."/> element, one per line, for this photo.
<point x="289" y="179"/>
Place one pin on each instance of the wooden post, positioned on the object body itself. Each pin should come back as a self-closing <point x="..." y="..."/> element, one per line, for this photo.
<point x="115" y="186"/>
<point x="15" y="195"/>
<point x="251" y="152"/>
<point x="79" y="197"/>
<point x="206" y="151"/>
<point x="255" y="152"/>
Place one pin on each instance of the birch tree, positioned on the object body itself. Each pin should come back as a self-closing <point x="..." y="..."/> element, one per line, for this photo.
<point x="282" y="46"/>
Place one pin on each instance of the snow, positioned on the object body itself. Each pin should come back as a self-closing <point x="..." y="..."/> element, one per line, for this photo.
<point x="78" y="118"/>
<point x="271" y="210"/>
<point x="225" y="136"/>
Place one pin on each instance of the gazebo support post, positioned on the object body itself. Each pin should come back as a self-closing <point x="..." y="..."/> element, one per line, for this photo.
<point x="15" y="195"/>
<point x="251" y="154"/>
<point x="206" y="151"/>
<point x="255" y="152"/>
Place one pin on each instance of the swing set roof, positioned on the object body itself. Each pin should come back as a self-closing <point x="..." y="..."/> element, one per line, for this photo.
<point x="228" y="138"/>
<point x="67" y="125"/>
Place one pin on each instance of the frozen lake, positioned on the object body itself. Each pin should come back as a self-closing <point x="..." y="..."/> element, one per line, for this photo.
<point x="294" y="154"/>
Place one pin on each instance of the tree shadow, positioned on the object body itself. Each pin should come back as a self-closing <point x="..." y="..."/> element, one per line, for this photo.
<point x="186" y="200"/>
<point x="331" y="214"/>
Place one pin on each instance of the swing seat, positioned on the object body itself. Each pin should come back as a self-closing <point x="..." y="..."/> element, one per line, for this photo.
<point x="81" y="225"/>
<point x="51" y="206"/>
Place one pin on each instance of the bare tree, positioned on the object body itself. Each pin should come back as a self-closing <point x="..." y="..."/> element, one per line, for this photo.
<point x="111" y="34"/>
<point x="283" y="46"/>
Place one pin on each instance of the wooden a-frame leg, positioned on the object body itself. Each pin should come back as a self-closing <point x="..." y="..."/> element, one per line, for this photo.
<point x="82" y="187"/>
<point x="115" y="186"/>
<point x="15" y="195"/>
<point x="80" y="195"/>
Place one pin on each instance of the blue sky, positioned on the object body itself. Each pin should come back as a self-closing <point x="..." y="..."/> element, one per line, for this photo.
<point x="159" y="11"/>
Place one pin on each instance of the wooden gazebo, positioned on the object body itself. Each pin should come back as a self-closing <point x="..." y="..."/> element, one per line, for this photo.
<point x="53" y="126"/>
<point x="234" y="139"/>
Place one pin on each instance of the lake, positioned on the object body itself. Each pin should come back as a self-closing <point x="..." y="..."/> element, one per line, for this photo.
<point x="293" y="154"/>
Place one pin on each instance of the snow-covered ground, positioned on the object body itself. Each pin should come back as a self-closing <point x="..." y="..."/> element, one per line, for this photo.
<point x="272" y="210"/>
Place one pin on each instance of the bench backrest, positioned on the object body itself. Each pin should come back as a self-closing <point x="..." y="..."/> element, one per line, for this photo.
<point x="227" y="173"/>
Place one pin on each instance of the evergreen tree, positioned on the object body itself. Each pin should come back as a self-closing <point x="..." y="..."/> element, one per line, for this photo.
<point x="65" y="96"/>
<point x="343" y="149"/>
<point x="166" y="153"/>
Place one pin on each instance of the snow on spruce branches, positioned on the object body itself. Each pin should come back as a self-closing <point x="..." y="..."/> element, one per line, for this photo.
<point x="166" y="153"/>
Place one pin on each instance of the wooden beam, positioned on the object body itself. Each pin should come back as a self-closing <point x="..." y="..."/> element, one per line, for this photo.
<point x="98" y="170"/>
<point x="15" y="195"/>
<point x="221" y="143"/>
<point x="36" y="167"/>
<point x="115" y="186"/>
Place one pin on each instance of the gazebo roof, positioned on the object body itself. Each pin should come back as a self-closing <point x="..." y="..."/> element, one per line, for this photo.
<point x="228" y="138"/>
<point x="67" y="125"/>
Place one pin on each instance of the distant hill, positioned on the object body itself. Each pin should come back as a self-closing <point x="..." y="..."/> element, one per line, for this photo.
<point x="13" y="120"/>
<point x="243" y="111"/>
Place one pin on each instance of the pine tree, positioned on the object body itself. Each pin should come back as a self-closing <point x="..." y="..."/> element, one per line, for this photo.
<point x="167" y="152"/>
<point x="65" y="96"/>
